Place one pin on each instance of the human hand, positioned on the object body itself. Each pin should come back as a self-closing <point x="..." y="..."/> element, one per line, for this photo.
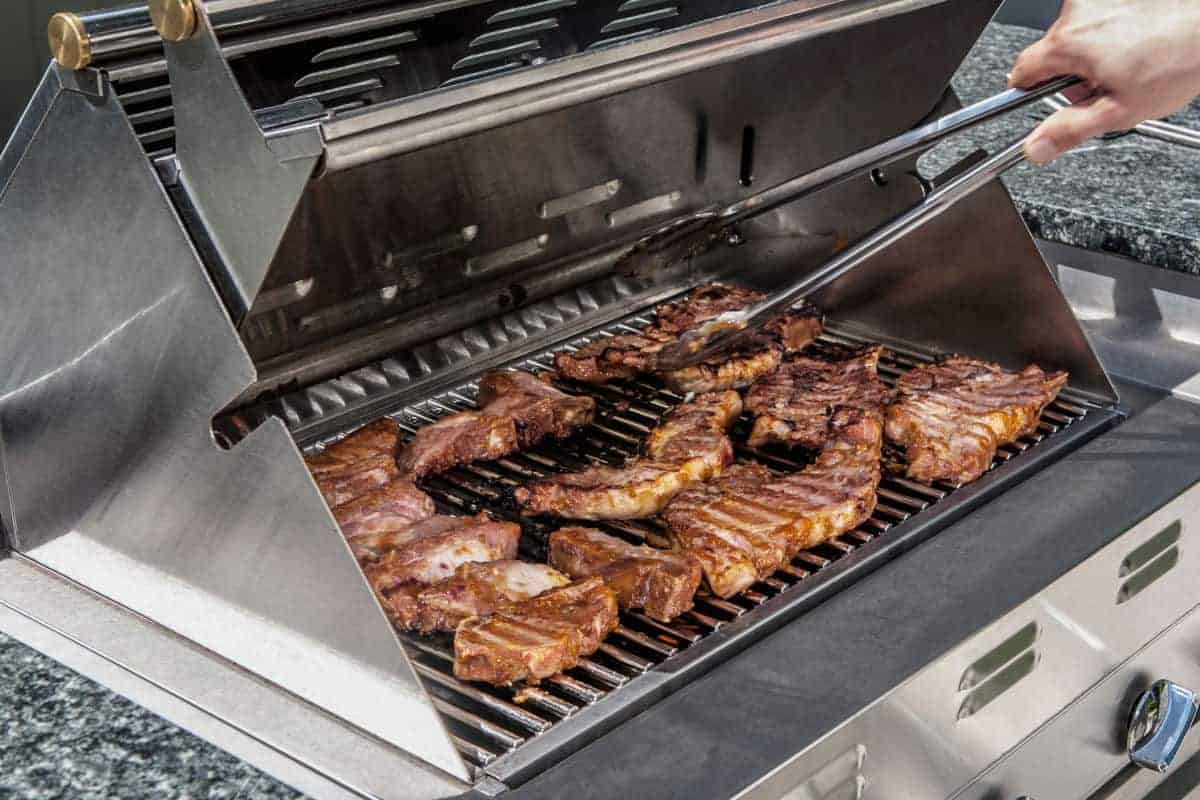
<point x="1139" y="59"/>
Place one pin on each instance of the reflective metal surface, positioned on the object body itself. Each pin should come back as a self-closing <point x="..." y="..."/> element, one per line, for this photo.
<point x="1161" y="716"/>
<point x="241" y="184"/>
<point x="117" y="355"/>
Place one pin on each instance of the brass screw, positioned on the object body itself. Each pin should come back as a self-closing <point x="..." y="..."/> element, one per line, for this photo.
<point x="175" y="20"/>
<point x="69" y="41"/>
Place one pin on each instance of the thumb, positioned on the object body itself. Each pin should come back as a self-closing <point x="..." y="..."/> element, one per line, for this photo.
<point x="1041" y="61"/>
<point x="1072" y="126"/>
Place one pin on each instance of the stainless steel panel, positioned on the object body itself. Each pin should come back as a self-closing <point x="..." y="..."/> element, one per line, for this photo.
<point x="370" y="237"/>
<point x="117" y="355"/>
<point x="240" y="183"/>
<point x="981" y="700"/>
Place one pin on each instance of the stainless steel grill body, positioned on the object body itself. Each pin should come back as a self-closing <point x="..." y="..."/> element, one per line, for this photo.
<point x="356" y="209"/>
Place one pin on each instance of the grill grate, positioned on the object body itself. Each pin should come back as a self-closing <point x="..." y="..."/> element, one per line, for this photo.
<point x="495" y="728"/>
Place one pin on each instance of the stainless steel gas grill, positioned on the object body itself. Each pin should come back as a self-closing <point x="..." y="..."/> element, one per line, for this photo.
<point x="290" y="218"/>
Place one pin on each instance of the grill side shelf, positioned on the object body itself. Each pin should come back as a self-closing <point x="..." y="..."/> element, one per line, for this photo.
<point x="513" y="734"/>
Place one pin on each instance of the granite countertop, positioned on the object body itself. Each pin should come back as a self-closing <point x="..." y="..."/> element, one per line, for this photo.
<point x="1133" y="196"/>
<point x="62" y="735"/>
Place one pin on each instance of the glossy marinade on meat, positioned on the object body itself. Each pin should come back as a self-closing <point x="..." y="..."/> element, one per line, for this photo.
<point x="690" y="445"/>
<point x="793" y="406"/>
<point x="475" y="589"/>
<point x="660" y="582"/>
<point x="951" y="416"/>
<point x="747" y="524"/>
<point x="536" y="638"/>
<point x="431" y="550"/>
<point x="388" y="508"/>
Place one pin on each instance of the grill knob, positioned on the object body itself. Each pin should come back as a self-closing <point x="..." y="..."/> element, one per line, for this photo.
<point x="175" y="20"/>
<point x="69" y="41"/>
<point x="1160" y="718"/>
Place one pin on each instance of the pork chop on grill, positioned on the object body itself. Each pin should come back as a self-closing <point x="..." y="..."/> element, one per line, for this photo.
<point x="689" y="446"/>
<point x="749" y="522"/>
<point x="352" y="467"/>
<point x="457" y="439"/>
<point x="793" y="406"/>
<point x="538" y="409"/>
<point x="475" y="589"/>
<point x="659" y="581"/>
<point x="536" y="638"/>
<point x="431" y="550"/>
<point x="952" y="415"/>
<point x="388" y="508"/>
<point x="625" y="356"/>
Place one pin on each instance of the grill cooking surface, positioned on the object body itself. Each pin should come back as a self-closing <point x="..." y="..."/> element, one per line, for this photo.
<point x="497" y="729"/>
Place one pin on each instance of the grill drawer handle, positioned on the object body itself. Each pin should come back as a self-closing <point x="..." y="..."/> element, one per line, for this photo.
<point x="1160" y="718"/>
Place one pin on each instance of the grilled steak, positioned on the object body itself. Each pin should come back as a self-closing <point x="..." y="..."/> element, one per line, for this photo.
<point x="457" y="439"/>
<point x="475" y="589"/>
<point x="793" y="406"/>
<point x="689" y="446"/>
<point x="388" y="508"/>
<point x="431" y="550"/>
<point x="617" y="357"/>
<point x="748" y="523"/>
<point x="364" y="460"/>
<point x="658" y="581"/>
<point x="951" y="416"/>
<point x="536" y="638"/>
<point x="538" y="409"/>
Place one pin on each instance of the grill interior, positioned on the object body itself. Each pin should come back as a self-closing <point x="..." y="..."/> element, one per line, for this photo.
<point x="497" y="727"/>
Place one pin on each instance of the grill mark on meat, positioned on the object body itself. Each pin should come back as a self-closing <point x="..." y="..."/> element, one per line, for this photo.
<point x="952" y="416"/>
<point x="627" y="356"/>
<point x="537" y="638"/>
<point x="660" y="582"/>
<point x="389" y="508"/>
<point x="793" y="406"/>
<point x="516" y="410"/>
<point x="748" y="523"/>
<point x="690" y="445"/>
<point x="432" y="550"/>
<point x="475" y="589"/>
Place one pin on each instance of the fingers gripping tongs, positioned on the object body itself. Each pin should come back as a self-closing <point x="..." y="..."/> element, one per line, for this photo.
<point x="696" y="233"/>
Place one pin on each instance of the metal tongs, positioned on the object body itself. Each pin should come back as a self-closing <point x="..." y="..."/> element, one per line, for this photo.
<point x="695" y="234"/>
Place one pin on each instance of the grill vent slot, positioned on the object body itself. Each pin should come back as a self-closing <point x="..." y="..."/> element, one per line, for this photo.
<point x="1149" y="561"/>
<point x="998" y="670"/>
<point x="842" y="778"/>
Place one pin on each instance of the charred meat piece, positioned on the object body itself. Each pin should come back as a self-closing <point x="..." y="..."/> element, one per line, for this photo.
<point x="389" y="508"/>
<point x="538" y="409"/>
<point x="661" y="582"/>
<point x="952" y="415"/>
<point x="457" y="439"/>
<point x="353" y="480"/>
<point x="474" y="590"/>
<point x="625" y="356"/>
<point x="747" y="524"/>
<point x="536" y="638"/>
<point x="689" y="446"/>
<point x="793" y="406"/>
<point x="433" y="549"/>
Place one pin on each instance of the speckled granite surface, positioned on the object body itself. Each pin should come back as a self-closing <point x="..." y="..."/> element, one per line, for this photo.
<point x="1133" y="196"/>
<point x="62" y="736"/>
